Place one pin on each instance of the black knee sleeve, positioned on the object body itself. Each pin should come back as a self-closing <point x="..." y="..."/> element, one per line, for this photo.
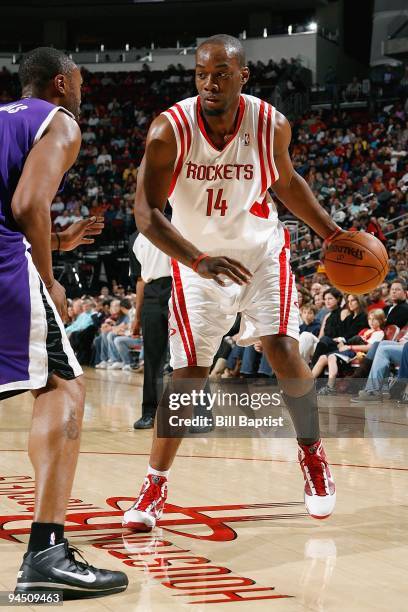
<point x="305" y="416"/>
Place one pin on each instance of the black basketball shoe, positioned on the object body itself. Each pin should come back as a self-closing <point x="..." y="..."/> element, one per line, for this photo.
<point x="56" y="569"/>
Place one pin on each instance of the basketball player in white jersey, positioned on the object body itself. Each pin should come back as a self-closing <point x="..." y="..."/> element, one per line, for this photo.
<point x="214" y="157"/>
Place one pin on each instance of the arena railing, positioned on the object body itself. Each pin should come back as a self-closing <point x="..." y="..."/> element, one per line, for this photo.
<point x="397" y="229"/>
<point x="303" y="229"/>
<point x="302" y="257"/>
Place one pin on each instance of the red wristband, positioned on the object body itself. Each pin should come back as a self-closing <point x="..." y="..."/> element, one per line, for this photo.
<point x="332" y="236"/>
<point x="197" y="261"/>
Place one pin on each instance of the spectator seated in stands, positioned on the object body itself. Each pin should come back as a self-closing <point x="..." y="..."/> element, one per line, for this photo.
<point x="309" y="329"/>
<point x="111" y="359"/>
<point x="375" y="300"/>
<point x="254" y="362"/>
<point x="75" y="309"/>
<point x="125" y="345"/>
<point x="245" y="362"/>
<point x="304" y="295"/>
<point x="309" y="321"/>
<point x="340" y="360"/>
<point x="349" y="327"/>
<point x="340" y="324"/>
<point x="100" y="342"/>
<point x="84" y="318"/>
<point x="318" y="303"/>
<point x="234" y="359"/>
<point x="83" y="330"/>
<point x="330" y="327"/>
<point x="58" y="205"/>
<point x="397" y="311"/>
<point x="63" y="220"/>
<point x="226" y="346"/>
<point x="250" y="361"/>
<point x="126" y="342"/>
<point x="396" y="319"/>
<point x="389" y="352"/>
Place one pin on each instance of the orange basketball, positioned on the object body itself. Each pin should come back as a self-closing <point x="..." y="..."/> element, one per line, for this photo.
<point x="356" y="262"/>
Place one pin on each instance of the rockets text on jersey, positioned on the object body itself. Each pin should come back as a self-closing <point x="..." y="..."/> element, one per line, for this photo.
<point x="219" y="195"/>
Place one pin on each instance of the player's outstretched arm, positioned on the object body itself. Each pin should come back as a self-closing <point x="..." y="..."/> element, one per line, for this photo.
<point x="153" y="185"/>
<point x="43" y="171"/>
<point x="77" y="234"/>
<point x="293" y="190"/>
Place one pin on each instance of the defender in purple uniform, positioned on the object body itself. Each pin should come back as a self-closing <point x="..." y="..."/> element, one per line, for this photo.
<point x="39" y="142"/>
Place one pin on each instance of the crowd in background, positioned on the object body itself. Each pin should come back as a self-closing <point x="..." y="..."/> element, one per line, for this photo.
<point x="359" y="172"/>
<point x="104" y="330"/>
<point x="356" y="163"/>
<point x="354" y="342"/>
<point x="351" y="341"/>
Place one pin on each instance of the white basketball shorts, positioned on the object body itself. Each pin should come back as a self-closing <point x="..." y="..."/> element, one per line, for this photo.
<point x="201" y="312"/>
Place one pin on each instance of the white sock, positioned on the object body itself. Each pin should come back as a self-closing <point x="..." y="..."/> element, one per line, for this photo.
<point x="151" y="470"/>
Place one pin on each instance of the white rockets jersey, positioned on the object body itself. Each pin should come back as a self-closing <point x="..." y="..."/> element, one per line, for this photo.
<point x="219" y="196"/>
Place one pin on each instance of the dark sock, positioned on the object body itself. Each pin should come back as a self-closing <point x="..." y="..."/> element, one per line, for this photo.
<point x="44" y="535"/>
<point x="305" y="416"/>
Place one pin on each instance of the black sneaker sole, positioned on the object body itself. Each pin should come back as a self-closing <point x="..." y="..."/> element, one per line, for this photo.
<point x="68" y="592"/>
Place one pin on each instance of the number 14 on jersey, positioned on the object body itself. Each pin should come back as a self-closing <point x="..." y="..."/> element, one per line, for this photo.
<point x="218" y="204"/>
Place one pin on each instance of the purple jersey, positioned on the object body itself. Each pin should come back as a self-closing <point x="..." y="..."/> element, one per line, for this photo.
<point x="22" y="123"/>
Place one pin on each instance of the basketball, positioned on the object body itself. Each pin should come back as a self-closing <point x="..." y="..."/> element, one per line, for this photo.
<point x="356" y="262"/>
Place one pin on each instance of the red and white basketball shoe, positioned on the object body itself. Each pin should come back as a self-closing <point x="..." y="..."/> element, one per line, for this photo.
<point x="320" y="490"/>
<point x="148" y="507"/>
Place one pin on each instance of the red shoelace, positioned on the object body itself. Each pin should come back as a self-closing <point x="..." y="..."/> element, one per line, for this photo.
<point x="314" y="461"/>
<point x="151" y="494"/>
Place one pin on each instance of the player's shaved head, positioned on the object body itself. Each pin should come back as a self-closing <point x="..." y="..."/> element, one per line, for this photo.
<point x="233" y="46"/>
<point x="39" y="66"/>
<point x="50" y="74"/>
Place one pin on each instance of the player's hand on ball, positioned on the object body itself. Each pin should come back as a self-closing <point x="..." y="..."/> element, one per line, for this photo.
<point x="355" y="262"/>
<point x="327" y="242"/>
<point x="218" y="267"/>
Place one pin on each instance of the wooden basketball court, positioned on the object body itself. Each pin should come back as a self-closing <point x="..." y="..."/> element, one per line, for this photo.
<point x="235" y="534"/>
